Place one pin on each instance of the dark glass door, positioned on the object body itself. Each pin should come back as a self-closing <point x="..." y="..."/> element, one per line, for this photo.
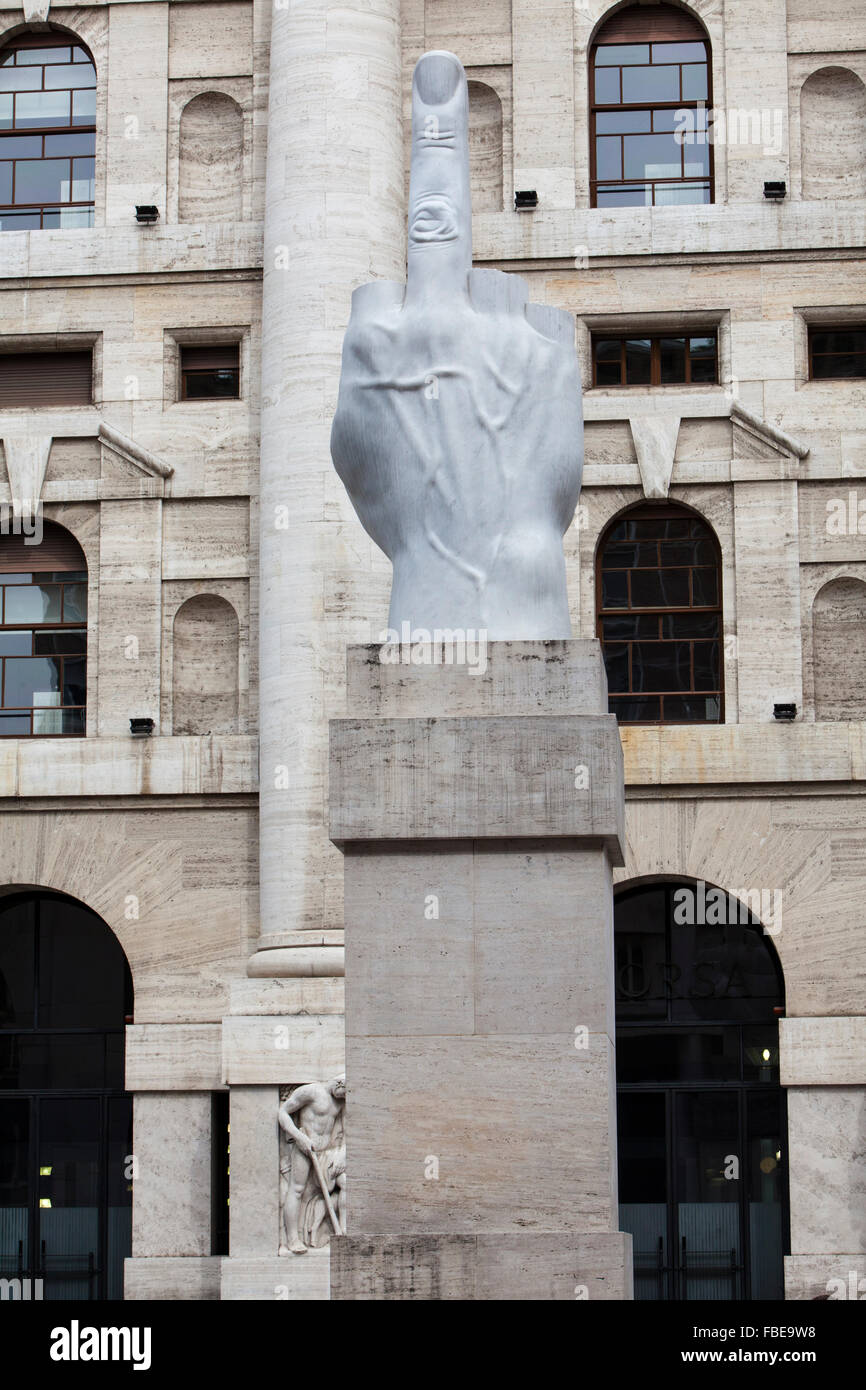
<point x="65" y="1122"/>
<point x="701" y="1115"/>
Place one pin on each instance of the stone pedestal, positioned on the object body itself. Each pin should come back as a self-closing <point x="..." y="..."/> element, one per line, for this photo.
<point x="480" y="813"/>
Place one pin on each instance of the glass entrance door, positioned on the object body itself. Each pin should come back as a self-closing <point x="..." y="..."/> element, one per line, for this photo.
<point x="701" y="1115"/>
<point x="65" y="1122"/>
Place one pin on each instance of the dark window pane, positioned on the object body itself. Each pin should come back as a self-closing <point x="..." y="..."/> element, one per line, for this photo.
<point x="640" y="954"/>
<point x="608" y="156"/>
<point x="661" y="666"/>
<point x="842" y="368"/>
<point x="14" y="723"/>
<point x="695" y="709"/>
<point x="711" y="1054"/>
<point x="72" y="721"/>
<point x="69" y="1146"/>
<point x="679" y="53"/>
<point x="664" y="527"/>
<point x="26" y="56"/>
<point x="705" y="589"/>
<point x="702" y="353"/>
<point x="627" y="555"/>
<point x="52" y="1061"/>
<point x="43" y="180"/>
<point x="672" y="354"/>
<point x="706" y="666"/>
<point x="74" y="680"/>
<point x="636" y="197"/>
<point x="31" y="681"/>
<point x="650" y="84"/>
<point x="83" y="144"/>
<point x="690" y="625"/>
<point x="696" y="160"/>
<point x="617" y="122"/>
<point x="82" y="969"/>
<point x="608" y="54"/>
<point x="49" y="642"/>
<point x="42" y="108"/>
<point x="608" y="373"/>
<point x="652" y="157"/>
<point x="761" y="1053"/>
<point x="616" y="665"/>
<point x="17" y="966"/>
<point x="24" y="146"/>
<point x="83" y="108"/>
<point x="695" y="82"/>
<point x="660" y="588"/>
<point x="614" y="590"/>
<point x="74" y="602"/>
<point x="20" y="79"/>
<point x="707" y="1127"/>
<point x="840" y="340"/>
<point x="641" y="1142"/>
<point x="630" y="625"/>
<point x="223" y="382"/>
<point x="14" y="1161"/>
<point x="607" y="85"/>
<point x="631" y="709"/>
<point x="682" y="194"/>
<point x="16" y="643"/>
<point x="77" y="75"/>
<point x="638" y="361"/>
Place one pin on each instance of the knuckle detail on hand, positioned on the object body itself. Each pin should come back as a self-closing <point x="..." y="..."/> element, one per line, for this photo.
<point x="434" y="219"/>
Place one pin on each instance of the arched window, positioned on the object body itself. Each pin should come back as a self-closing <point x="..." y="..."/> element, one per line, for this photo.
<point x="650" y="90"/>
<point x="43" y="634"/>
<point x="701" y="1118"/>
<point x="65" y="1121"/>
<point x="47" y="132"/>
<point x="659" y="612"/>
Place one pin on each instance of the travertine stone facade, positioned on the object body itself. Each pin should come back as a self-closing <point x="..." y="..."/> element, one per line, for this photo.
<point x="171" y="501"/>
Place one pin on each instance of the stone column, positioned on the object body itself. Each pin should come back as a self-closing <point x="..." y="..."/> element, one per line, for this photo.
<point x="480" y="813"/>
<point x="333" y="219"/>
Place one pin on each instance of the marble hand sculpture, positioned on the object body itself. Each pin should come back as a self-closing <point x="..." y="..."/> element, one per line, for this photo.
<point x="459" y="430"/>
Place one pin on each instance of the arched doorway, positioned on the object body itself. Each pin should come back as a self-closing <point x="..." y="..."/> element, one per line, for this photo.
<point x="65" y="1121"/>
<point x="701" y="1114"/>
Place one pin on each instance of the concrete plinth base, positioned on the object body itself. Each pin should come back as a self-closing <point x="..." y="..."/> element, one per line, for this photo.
<point x="282" y="1278"/>
<point x="546" y="1268"/>
<point x="172" y="1278"/>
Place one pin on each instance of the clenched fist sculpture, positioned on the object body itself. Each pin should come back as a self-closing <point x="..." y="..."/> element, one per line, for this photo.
<point x="459" y="429"/>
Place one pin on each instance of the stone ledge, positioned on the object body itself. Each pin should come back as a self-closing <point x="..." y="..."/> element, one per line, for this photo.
<point x="823" y="1051"/>
<point x="126" y="766"/>
<point x="815" y="1276"/>
<point x="191" y="1278"/>
<point x="743" y="754"/>
<point x="545" y="1267"/>
<point x="173" y="1057"/>
<point x="276" y="1050"/>
<point x="505" y="777"/>
<point x="288" y="1278"/>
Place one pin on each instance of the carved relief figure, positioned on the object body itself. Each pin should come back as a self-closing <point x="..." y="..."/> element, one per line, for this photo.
<point x="312" y="1166"/>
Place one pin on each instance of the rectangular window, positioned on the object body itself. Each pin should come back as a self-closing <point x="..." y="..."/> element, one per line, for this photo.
<point x="837" y="353"/>
<point x="210" y="373"/>
<point x="666" y="360"/>
<point x="46" y="378"/>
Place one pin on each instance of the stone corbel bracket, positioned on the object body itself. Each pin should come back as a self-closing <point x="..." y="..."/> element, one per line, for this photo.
<point x="655" y="434"/>
<point x="27" y="464"/>
<point x="36" y="13"/>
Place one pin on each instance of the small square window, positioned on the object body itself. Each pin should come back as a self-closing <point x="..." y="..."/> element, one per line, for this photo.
<point x="210" y="373"/>
<point x="837" y="353"/>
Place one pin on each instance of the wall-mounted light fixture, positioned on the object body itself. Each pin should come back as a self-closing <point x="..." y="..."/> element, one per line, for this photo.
<point x="141" y="728"/>
<point x="775" y="191"/>
<point x="785" y="712"/>
<point x="525" y="200"/>
<point x="146" y="213"/>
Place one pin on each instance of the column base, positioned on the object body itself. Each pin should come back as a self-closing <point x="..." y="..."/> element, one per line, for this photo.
<point x="555" y="1267"/>
<point x="833" y="1277"/>
<point x="176" y="1278"/>
<point x="297" y="954"/>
